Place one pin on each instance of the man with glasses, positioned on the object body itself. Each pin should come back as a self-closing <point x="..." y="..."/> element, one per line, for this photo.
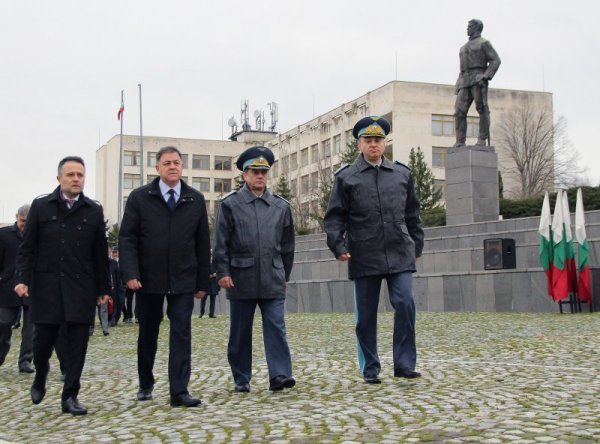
<point x="165" y="252"/>
<point x="253" y="255"/>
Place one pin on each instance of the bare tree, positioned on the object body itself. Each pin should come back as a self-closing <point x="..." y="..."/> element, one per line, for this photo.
<point x="542" y="154"/>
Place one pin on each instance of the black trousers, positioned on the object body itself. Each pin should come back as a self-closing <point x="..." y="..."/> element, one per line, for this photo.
<point x="179" y="311"/>
<point x="211" y="307"/>
<point x="128" y="311"/>
<point x="45" y="338"/>
<point x="7" y="318"/>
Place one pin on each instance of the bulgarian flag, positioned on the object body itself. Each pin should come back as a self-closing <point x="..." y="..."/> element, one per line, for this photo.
<point x="583" y="264"/>
<point x="570" y="250"/>
<point x="546" y="242"/>
<point x="121" y="109"/>
<point x="560" y="270"/>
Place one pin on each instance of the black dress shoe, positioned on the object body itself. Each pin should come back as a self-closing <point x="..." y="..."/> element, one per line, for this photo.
<point x="372" y="379"/>
<point x="405" y="373"/>
<point x="71" y="405"/>
<point x="184" y="400"/>
<point x="242" y="388"/>
<point x="278" y="383"/>
<point x="105" y="333"/>
<point x="212" y="316"/>
<point x="37" y="393"/>
<point x="145" y="394"/>
<point x="26" y="368"/>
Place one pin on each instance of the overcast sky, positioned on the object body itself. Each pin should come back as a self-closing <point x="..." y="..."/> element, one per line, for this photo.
<point x="64" y="64"/>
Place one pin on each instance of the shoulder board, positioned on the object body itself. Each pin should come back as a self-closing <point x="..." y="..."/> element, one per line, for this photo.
<point x="231" y="193"/>
<point x="41" y="196"/>
<point x="401" y="164"/>
<point x="343" y="167"/>
<point x="282" y="198"/>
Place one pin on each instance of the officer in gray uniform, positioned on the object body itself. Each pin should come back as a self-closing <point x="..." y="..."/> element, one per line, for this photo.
<point x="253" y="256"/>
<point x="372" y="221"/>
<point x="478" y="64"/>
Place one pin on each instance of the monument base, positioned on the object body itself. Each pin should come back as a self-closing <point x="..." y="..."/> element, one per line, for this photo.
<point x="471" y="184"/>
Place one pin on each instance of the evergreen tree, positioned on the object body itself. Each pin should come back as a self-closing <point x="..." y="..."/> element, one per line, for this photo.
<point x="500" y="186"/>
<point x="350" y="153"/>
<point x="282" y="188"/>
<point x="113" y="236"/>
<point x="239" y="182"/>
<point x="423" y="178"/>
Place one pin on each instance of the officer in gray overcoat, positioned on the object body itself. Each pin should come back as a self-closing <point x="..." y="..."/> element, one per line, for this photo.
<point x="253" y="256"/>
<point x="372" y="221"/>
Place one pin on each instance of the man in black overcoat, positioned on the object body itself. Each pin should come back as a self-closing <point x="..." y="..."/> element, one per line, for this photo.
<point x="62" y="267"/>
<point x="10" y="238"/>
<point x="164" y="250"/>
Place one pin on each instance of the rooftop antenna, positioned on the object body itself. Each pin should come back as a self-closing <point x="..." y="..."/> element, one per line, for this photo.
<point x="244" y="112"/>
<point x="273" y="110"/>
<point x="233" y="124"/>
<point x="259" y="118"/>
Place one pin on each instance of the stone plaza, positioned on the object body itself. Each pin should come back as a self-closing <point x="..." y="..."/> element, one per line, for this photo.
<point x="487" y="377"/>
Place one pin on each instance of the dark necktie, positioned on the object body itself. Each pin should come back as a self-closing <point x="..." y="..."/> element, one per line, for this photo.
<point x="171" y="201"/>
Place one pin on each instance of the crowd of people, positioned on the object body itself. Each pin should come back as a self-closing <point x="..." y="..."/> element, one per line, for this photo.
<point x="57" y="273"/>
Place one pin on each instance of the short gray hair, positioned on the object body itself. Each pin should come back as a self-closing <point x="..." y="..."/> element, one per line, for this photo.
<point x="23" y="210"/>
<point x="167" y="149"/>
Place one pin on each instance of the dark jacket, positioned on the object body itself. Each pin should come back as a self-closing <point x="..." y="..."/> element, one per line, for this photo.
<point x="168" y="251"/>
<point x="10" y="238"/>
<point x="254" y="244"/>
<point x="373" y="214"/>
<point x="116" y="284"/>
<point x="63" y="259"/>
<point x="214" y="287"/>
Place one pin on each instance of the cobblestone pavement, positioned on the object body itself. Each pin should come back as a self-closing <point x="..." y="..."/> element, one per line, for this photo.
<point x="486" y="378"/>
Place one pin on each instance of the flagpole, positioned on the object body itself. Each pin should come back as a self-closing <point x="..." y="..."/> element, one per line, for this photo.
<point x="120" y="203"/>
<point x="141" y="140"/>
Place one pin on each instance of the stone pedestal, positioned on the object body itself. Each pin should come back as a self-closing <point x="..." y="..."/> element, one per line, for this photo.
<point x="471" y="185"/>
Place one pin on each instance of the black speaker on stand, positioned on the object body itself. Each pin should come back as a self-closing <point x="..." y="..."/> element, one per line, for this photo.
<point x="499" y="254"/>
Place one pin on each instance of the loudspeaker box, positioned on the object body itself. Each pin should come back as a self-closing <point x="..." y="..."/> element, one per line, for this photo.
<point x="499" y="254"/>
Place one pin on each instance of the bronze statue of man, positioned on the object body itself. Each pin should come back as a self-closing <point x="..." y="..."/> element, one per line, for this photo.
<point x="478" y="64"/>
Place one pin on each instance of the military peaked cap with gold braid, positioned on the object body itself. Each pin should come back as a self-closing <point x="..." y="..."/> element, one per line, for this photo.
<point x="371" y="126"/>
<point x="257" y="158"/>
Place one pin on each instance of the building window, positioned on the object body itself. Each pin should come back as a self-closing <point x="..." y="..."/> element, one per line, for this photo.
<point x="314" y="153"/>
<point x="472" y="126"/>
<point x="207" y="203"/>
<point x="222" y="185"/>
<point x="131" y="158"/>
<point x="337" y="144"/>
<point x="294" y="161"/>
<point x="200" y="162"/>
<point x="131" y="181"/>
<point x="294" y="187"/>
<point x="304" y="184"/>
<point x="201" y="184"/>
<point x="314" y="180"/>
<point x="284" y="165"/>
<point x="184" y="160"/>
<point x="442" y="125"/>
<point x="223" y="163"/>
<point x="326" y="148"/>
<point x="274" y="168"/>
<point x="150" y="177"/>
<point x="438" y="157"/>
<point x="440" y="185"/>
<point x="304" y="157"/>
<point x="327" y="174"/>
<point x="151" y="159"/>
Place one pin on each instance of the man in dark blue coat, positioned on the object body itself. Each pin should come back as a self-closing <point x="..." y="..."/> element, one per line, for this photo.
<point x="62" y="266"/>
<point x="10" y="302"/>
<point x="372" y="221"/>
<point x="164" y="249"/>
<point x="254" y="254"/>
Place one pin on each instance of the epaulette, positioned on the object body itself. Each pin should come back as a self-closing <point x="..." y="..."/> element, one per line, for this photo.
<point x="401" y="164"/>
<point x="231" y="193"/>
<point x="282" y="198"/>
<point x="343" y="167"/>
<point x="40" y="196"/>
